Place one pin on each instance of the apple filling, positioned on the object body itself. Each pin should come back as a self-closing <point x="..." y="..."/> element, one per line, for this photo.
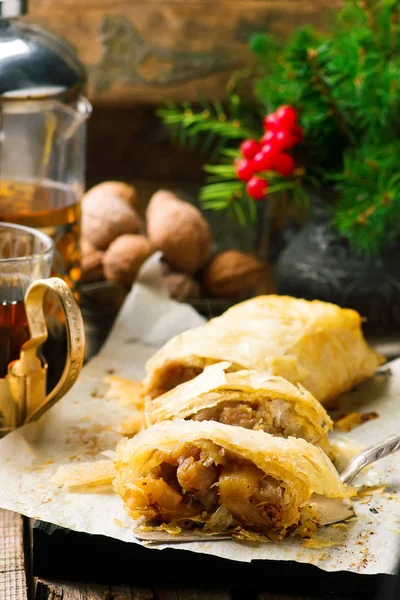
<point x="276" y="417"/>
<point x="209" y="485"/>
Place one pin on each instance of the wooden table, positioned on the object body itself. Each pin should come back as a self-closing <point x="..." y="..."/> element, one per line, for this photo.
<point x="18" y="583"/>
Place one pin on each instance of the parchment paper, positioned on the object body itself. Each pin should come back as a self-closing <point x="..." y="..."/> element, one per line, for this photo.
<point x="85" y="423"/>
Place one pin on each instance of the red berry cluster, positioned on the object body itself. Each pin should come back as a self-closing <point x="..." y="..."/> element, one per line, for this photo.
<point x="282" y="133"/>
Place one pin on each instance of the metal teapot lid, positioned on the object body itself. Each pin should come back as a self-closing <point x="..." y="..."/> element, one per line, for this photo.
<point x="35" y="64"/>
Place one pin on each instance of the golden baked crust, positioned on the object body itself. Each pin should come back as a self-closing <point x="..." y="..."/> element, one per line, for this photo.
<point x="191" y="471"/>
<point x="317" y="344"/>
<point x="251" y="399"/>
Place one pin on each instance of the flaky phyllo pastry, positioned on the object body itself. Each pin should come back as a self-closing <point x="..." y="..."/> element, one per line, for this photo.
<point x="219" y="477"/>
<point x="250" y="399"/>
<point x="313" y="343"/>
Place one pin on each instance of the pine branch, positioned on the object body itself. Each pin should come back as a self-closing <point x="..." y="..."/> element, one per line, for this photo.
<point x="210" y="127"/>
<point x="394" y="26"/>
<point x="368" y="211"/>
<point x="322" y="87"/>
<point x="367" y="7"/>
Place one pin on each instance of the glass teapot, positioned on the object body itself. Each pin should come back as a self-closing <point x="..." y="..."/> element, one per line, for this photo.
<point x="43" y="117"/>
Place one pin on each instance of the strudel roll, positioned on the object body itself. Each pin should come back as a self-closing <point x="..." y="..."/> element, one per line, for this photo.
<point x="316" y="344"/>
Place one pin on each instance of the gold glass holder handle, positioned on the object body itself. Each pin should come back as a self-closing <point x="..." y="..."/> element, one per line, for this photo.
<point x="27" y="375"/>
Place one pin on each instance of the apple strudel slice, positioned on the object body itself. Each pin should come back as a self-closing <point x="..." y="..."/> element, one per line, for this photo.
<point x="221" y="478"/>
<point x="250" y="399"/>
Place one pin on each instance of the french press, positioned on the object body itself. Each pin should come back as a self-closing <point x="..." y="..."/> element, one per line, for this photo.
<point x="43" y="113"/>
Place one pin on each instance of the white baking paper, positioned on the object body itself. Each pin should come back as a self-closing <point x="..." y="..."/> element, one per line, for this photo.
<point x="85" y="424"/>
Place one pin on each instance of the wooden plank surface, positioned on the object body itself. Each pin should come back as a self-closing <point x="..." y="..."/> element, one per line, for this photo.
<point x="13" y="581"/>
<point x="47" y="590"/>
<point x="165" y="49"/>
<point x="176" y="594"/>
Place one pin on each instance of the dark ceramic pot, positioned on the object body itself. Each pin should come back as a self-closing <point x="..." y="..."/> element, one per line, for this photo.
<point x="319" y="264"/>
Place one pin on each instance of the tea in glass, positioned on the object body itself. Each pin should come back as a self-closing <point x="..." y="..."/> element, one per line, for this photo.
<point x="25" y="256"/>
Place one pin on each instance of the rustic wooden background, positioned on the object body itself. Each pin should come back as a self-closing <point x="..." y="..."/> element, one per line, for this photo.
<point x="140" y="53"/>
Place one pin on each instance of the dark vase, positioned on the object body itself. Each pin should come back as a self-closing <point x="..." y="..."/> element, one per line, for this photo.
<point x="319" y="264"/>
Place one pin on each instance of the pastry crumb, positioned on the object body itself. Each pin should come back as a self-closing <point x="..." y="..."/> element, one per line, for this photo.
<point x="354" y="419"/>
<point x="119" y="523"/>
<point x="99" y="472"/>
<point x="133" y="424"/>
<point x="317" y="544"/>
<point x="127" y="392"/>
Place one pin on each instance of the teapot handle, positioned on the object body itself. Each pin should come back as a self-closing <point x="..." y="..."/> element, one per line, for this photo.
<point x="27" y="376"/>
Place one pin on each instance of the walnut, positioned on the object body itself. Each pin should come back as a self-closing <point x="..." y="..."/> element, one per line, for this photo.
<point x="118" y="189"/>
<point x="179" y="230"/>
<point x="232" y="274"/>
<point x="106" y="217"/>
<point x="123" y="259"/>
<point x="182" y="287"/>
<point x="86" y="247"/>
<point x="91" y="262"/>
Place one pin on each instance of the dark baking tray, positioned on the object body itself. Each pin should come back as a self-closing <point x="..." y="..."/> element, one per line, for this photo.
<point x="63" y="554"/>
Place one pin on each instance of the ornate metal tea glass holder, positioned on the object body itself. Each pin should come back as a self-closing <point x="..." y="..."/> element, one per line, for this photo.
<point x="26" y="257"/>
<point x="27" y="376"/>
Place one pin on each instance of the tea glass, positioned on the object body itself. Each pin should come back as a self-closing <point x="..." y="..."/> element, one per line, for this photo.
<point x="26" y="257"/>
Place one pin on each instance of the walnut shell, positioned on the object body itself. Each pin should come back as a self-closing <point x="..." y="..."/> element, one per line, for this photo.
<point x="123" y="259"/>
<point x="119" y="189"/>
<point x="91" y="262"/>
<point x="179" y="230"/>
<point x="106" y="217"/>
<point x="232" y="274"/>
<point x="181" y="286"/>
<point x="86" y="247"/>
